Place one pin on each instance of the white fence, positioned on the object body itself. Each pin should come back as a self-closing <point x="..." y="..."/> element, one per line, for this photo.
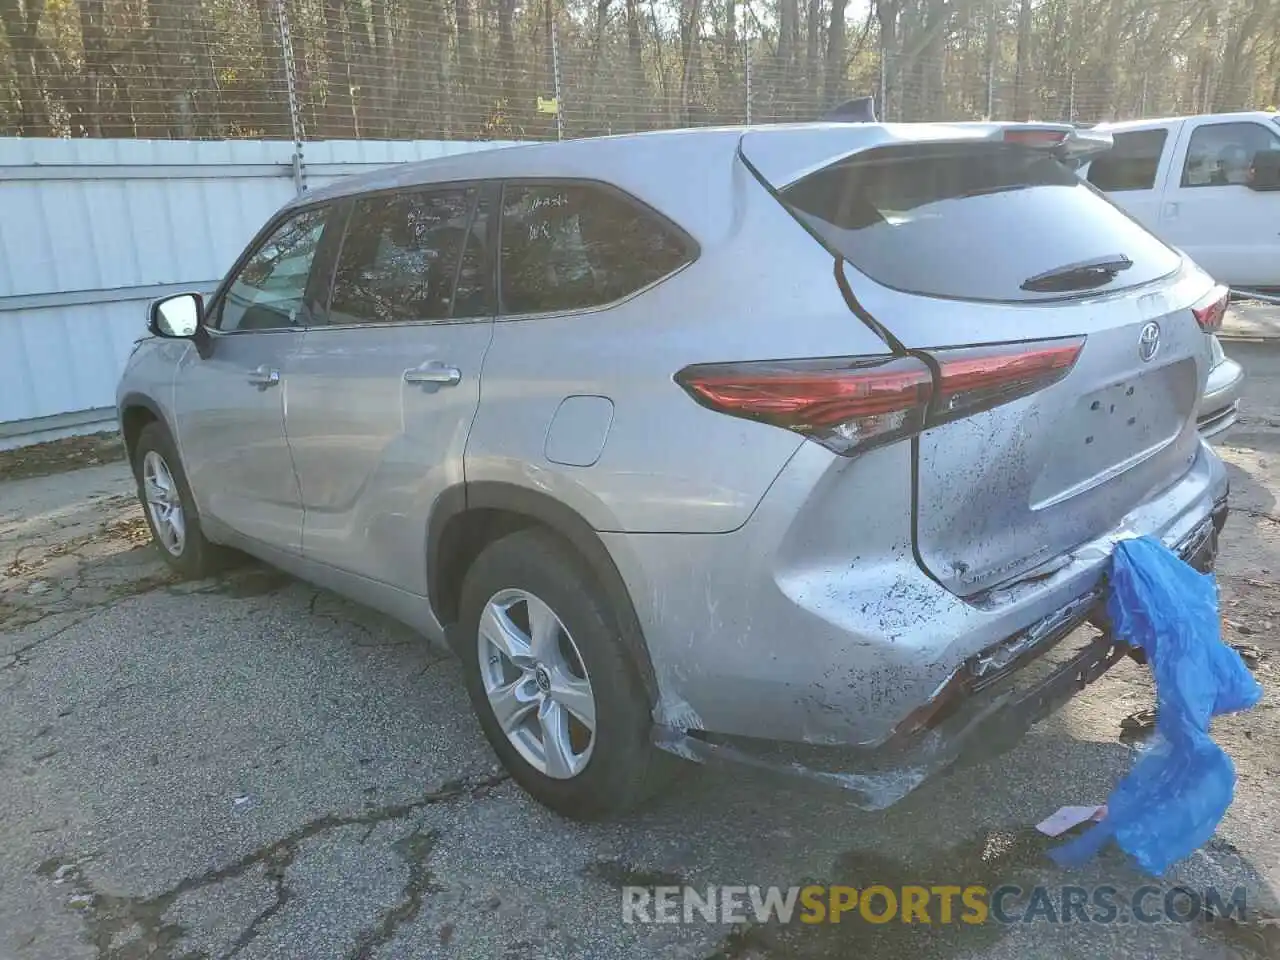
<point x="91" y="230"/>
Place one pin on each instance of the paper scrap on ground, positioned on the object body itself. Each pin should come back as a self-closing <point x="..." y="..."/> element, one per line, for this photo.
<point x="1067" y="817"/>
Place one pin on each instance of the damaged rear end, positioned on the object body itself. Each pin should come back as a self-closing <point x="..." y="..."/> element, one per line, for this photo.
<point x="1044" y="355"/>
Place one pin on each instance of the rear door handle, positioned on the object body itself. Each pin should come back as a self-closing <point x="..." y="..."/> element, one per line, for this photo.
<point x="1170" y="211"/>
<point x="264" y="377"/>
<point x="434" y="372"/>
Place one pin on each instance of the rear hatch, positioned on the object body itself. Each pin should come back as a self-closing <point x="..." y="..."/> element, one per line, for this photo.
<point x="952" y="242"/>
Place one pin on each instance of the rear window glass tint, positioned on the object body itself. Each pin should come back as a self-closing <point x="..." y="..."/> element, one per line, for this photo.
<point x="1132" y="163"/>
<point x="970" y="221"/>
<point x="573" y="246"/>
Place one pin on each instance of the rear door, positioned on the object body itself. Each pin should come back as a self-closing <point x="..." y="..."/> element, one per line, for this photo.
<point x="384" y="391"/>
<point x="1231" y="231"/>
<point x="942" y="242"/>
<point x="1134" y="171"/>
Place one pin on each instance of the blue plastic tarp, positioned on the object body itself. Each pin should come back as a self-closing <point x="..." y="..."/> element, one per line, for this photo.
<point x="1172" y="800"/>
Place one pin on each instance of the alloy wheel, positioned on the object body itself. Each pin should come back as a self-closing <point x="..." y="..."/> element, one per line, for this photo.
<point x="536" y="683"/>
<point x="163" y="503"/>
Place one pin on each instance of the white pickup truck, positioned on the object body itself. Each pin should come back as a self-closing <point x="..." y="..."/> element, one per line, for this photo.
<point x="1209" y="185"/>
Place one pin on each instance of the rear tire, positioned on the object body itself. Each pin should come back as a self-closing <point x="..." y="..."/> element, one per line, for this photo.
<point x="170" y="509"/>
<point x="576" y="729"/>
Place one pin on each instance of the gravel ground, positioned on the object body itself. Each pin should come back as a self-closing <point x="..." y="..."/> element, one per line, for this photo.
<point x="250" y="767"/>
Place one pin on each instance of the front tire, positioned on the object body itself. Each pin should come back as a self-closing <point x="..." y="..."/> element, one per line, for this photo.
<point x="550" y="682"/>
<point x="169" y="507"/>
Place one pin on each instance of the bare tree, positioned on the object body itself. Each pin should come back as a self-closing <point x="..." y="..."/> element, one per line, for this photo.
<point x="474" y="68"/>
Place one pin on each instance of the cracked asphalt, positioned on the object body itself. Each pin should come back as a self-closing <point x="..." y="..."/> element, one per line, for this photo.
<point x="250" y="767"/>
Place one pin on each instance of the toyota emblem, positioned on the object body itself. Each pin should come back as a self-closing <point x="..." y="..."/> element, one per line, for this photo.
<point x="1149" y="341"/>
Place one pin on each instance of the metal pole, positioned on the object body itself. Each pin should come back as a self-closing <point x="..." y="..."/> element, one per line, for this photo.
<point x="295" y="111"/>
<point x="555" y="79"/>
<point x="746" y="60"/>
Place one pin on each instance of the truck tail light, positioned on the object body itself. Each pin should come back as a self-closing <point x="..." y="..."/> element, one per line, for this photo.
<point x="851" y="404"/>
<point x="1212" y="309"/>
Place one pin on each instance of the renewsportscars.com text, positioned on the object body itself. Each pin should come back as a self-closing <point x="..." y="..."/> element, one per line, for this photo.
<point x="938" y="904"/>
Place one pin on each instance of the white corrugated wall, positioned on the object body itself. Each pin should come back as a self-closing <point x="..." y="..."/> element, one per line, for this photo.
<point x="92" y="230"/>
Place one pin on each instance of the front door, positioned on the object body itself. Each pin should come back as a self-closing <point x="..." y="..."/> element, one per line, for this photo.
<point x="383" y="393"/>
<point x="229" y="398"/>
<point x="1231" y="231"/>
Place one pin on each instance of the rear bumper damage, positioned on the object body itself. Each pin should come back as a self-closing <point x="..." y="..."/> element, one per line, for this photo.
<point x="982" y="709"/>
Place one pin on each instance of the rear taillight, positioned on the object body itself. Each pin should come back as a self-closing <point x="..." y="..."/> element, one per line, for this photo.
<point x="1031" y="137"/>
<point x="850" y="404"/>
<point x="978" y="378"/>
<point x="1212" y="309"/>
<point x="844" y="403"/>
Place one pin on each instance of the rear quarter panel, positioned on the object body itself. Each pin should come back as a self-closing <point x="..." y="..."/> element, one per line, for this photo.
<point x="761" y="288"/>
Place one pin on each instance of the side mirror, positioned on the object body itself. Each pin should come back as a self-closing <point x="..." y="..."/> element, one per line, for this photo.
<point x="1264" y="172"/>
<point x="178" y="317"/>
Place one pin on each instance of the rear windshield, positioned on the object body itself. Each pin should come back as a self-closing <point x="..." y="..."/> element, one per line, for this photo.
<point x="973" y="221"/>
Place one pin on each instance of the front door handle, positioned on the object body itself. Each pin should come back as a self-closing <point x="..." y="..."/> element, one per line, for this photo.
<point x="1171" y="211"/>
<point x="434" y="372"/>
<point x="264" y="377"/>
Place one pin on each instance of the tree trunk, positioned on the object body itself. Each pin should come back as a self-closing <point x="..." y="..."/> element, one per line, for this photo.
<point x="507" y="54"/>
<point x="689" y="29"/>
<point x="635" y="48"/>
<point x="788" y="38"/>
<point x="1022" y="69"/>
<point x="95" y="75"/>
<point x="468" y="69"/>
<point x="20" y="31"/>
<point x="548" y="37"/>
<point x="386" y="73"/>
<point x="887" y="14"/>
<point x="813" y="63"/>
<point x="834" y="79"/>
<point x="337" y="121"/>
<point x="597" y="34"/>
<point x="1238" y="68"/>
<point x="360" y="69"/>
<point x="185" y="105"/>
<point x="271" y="109"/>
<point x="660" y="59"/>
<point x="730" y="93"/>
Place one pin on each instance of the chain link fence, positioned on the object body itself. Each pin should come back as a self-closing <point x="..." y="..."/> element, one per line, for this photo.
<point x="487" y="69"/>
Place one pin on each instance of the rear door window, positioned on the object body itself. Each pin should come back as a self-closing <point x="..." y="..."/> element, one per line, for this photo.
<point x="573" y="246"/>
<point x="971" y="221"/>
<point x="1132" y="163"/>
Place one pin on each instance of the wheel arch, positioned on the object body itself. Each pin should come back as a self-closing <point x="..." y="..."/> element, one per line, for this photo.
<point x="136" y="410"/>
<point x="468" y="517"/>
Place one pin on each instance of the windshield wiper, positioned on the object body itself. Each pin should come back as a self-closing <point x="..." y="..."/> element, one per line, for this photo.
<point x="1078" y="276"/>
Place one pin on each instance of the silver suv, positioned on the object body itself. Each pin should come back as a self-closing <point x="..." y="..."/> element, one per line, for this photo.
<point x="802" y="446"/>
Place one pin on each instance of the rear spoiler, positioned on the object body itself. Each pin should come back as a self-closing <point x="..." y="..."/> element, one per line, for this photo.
<point x="1064" y="140"/>
<point x="783" y="154"/>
